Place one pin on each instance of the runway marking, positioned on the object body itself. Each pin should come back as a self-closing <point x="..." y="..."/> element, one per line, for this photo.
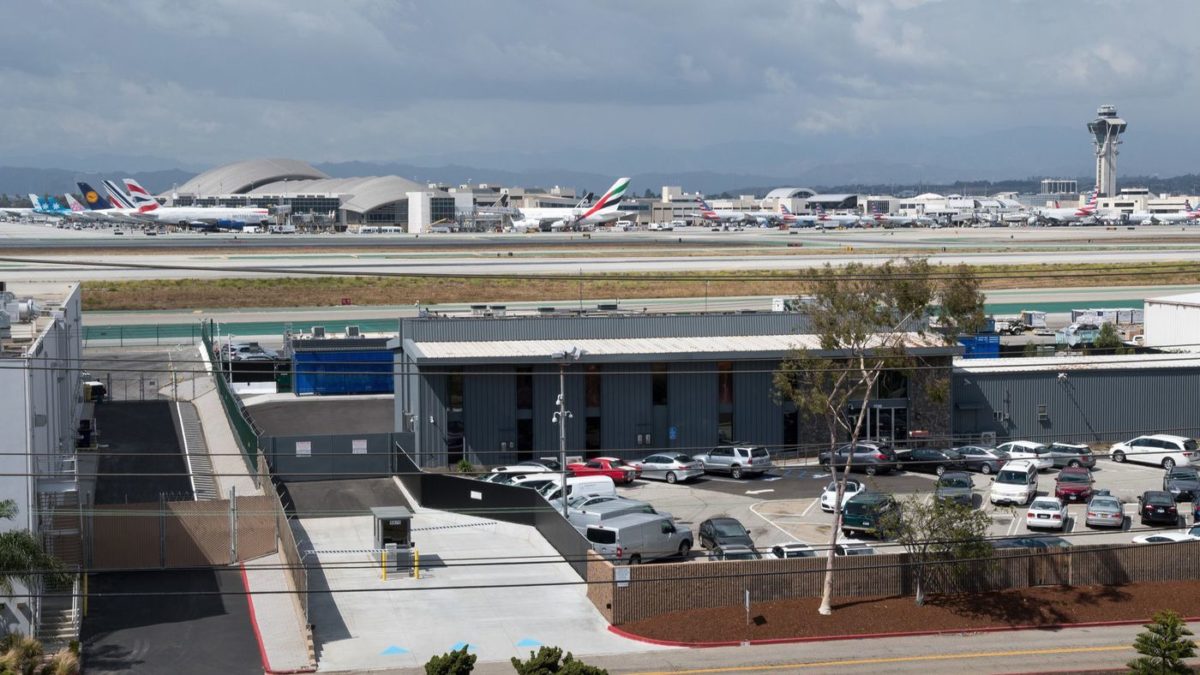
<point x="895" y="659"/>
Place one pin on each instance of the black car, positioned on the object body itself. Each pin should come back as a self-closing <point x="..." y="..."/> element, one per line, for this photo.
<point x="869" y="458"/>
<point x="1158" y="507"/>
<point x="1037" y="542"/>
<point x="984" y="460"/>
<point x="1183" y="482"/>
<point x="724" y="532"/>
<point x="929" y="460"/>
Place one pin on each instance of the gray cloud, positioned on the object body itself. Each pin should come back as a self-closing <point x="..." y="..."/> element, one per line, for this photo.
<point x="598" y="83"/>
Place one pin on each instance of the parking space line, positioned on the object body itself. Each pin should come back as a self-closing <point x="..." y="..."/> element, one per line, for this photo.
<point x="771" y="522"/>
<point x="810" y="507"/>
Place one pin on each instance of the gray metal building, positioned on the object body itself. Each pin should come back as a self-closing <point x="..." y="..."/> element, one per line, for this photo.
<point x="1077" y="399"/>
<point x="485" y="389"/>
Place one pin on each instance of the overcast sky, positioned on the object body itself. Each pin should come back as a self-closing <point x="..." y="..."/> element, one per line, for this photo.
<point x="647" y="85"/>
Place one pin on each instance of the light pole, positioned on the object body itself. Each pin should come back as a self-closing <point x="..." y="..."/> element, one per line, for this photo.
<point x="562" y="415"/>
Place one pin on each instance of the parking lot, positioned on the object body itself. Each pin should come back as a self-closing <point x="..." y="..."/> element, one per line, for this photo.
<point x="783" y="505"/>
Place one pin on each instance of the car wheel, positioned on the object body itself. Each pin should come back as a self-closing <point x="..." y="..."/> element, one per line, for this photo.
<point x="940" y="470"/>
<point x="635" y="559"/>
<point x="1073" y="463"/>
<point x="736" y="472"/>
<point x="871" y="470"/>
<point x="1118" y="456"/>
<point x="671" y="477"/>
<point x="1168" y="463"/>
<point x="985" y="469"/>
<point x="684" y="549"/>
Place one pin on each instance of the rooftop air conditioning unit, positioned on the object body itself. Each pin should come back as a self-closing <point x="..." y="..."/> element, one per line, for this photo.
<point x="353" y="332"/>
<point x="318" y="332"/>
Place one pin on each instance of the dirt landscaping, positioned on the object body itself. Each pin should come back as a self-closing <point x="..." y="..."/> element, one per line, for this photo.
<point x="1044" y="606"/>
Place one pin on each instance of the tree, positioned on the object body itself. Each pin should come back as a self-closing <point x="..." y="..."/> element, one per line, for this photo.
<point x="455" y="662"/>
<point x="866" y="317"/>
<point x="22" y="557"/>
<point x="1163" y="645"/>
<point x="943" y="539"/>
<point x="546" y="662"/>
<point x="648" y="194"/>
<point x="1108" y="342"/>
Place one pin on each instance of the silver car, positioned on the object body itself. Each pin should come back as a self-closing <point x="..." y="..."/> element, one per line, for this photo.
<point x="736" y="461"/>
<point x="671" y="468"/>
<point x="1105" y="511"/>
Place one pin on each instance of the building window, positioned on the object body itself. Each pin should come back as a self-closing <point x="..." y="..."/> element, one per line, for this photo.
<point x="591" y="382"/>
<point x="892" y="384"/>
<point x="454" y="391"/>
<point x="524" y="388"/>
<point x="725" y="383"/>
<point x="658" y="384"/>
<point x="592" y="436"/>
<point x="455" y="428"/>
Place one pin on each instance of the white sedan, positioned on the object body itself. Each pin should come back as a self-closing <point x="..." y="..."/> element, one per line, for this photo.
<point x="1163" y="538"/>
<point x="1046" y="513"/>
<point x="793" y="549"/>
<point x="1038" y="453"/>
<point x="829" y="496"/>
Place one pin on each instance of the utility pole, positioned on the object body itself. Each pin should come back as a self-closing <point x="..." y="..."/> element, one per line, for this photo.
<point x="562" y="415"/>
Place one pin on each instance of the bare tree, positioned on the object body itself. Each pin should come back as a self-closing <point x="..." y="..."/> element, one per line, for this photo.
<point x="864" y="321"/>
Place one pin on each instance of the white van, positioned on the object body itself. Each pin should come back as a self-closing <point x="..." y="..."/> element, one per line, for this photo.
<point x="637" y="537"/>
<point x="598" y="514"/>
<point x="577" y="485"/>
<point x="1015" y="483"/>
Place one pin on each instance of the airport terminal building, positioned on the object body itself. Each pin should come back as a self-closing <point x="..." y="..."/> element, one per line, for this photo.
<point x="485" y="388"/>
<point x="308" y="192"/>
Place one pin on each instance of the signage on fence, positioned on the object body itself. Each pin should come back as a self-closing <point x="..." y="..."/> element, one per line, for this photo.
<point x="358" y="446"/>
<point x="304" y="448"/>
<point x="621" y="575"/>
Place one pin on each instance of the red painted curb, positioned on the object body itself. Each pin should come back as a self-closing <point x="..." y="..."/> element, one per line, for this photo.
<point x="262" y="650"/>
<point x="870" y="636"/>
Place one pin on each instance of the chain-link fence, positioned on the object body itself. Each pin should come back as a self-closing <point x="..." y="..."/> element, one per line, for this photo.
<point x="245" y="432"/>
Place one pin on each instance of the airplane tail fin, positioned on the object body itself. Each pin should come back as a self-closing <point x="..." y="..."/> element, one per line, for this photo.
<point x="117" y="195"/>
<point x="784" y="209"/>
<point x="503" y="202"/>
<point x="74" y="205"/>
<point x="36" y="201"/>
<point x="611" y="199"/>
<point x="142" y="200"/>
<point x="91" y="198"/>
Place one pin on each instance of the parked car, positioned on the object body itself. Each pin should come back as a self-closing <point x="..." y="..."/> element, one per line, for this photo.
<point x="984" y="460"/>
<point x="577" y="486"/>
<point x="547" y="462"/>
<point x="723" y="531"/>
<point x="853" y="548"/>
<point x="670" y="467"/>
<point x="585" y="500"/>
<point x="869" y="458"/>
<point x="1048" y="513"/>
<point x="1017" y="483"/>
<point x="521" y="468"/>
<point x="862" y="514"/>
<point x="1038" y="453"/>
<point x="928" y="460"/>
<point x="1074" y="484"/>
<point x="1072" y="454"/>
<point x="1158" y="507"/>
<point x="734" y="552"/>
<point x="829" y="496"/>
<point x="792" y="550"/>
<point x="736" y="461"/>
<point x="1183" y="482"/>
<point x="638" y="537"/>
<point x="955" y="486"/>
<point x="1162" y="449"/>
<point x="1163" y="538"/>
<point x="1105" y="510"/>
<point x="612" y="467"/>
<point x="1037" y="541"/>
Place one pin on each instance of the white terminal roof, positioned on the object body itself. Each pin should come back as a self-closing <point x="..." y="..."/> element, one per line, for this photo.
<point x="362" y="194"/>
<point x="1076" y="363"/>
<point x="694" y="348"/>
<point x="1181" y="299"/>
<point x="241" y="177"/>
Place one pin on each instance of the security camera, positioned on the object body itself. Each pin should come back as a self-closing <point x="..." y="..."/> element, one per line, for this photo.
<point x="1062" y="377"/>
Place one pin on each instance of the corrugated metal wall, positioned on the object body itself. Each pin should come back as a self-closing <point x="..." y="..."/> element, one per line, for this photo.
<point x="473" y="329"/>
<point x="545" y="393"/>
<point x="1085" y="406"/>
<point x="626" y="407"/>
<point x="692" y="402"/>
<point x="756" y="417"/>
<point x="341" y="373"/>
<point x="489" y="413"/>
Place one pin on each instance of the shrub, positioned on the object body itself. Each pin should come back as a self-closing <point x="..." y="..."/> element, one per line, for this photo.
<point x="456" y="662"/>
<point x="550" y="661"/>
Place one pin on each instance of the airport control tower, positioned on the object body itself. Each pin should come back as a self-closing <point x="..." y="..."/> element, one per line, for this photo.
<point x="1106" y="134"/>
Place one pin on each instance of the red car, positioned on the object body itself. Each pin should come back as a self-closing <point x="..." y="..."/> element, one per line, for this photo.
<point x="612" y="467"/>
<point x="1074" y="484"/>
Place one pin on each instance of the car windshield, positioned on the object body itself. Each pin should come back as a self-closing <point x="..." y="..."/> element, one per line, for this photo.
<point x="1012" y="477"/>
<point x="1041" y="505"/>
<point x="799" y="553"/>
<point x="854" y="508"/>
<point x="683" y="459"/>
<point x="954" y="482"/>
<point x="740" y="555"/>
<point x="1069" y="477"/>
<point x="728" y="528"/>
<point x="1105" y="504"/>
<point x="1183" y="472"/>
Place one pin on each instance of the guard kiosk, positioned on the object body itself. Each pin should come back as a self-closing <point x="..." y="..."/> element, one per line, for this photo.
<point x="393" y="534"/>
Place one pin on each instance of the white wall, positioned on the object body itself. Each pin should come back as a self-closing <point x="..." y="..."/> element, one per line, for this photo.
<point x="1169" y="324"/>
<point x="419" y="215"/>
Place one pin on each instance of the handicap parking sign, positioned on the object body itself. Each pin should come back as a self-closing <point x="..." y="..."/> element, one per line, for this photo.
<point x="673" y="433"/>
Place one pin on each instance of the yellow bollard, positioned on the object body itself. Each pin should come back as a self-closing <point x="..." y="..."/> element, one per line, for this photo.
<point x="383" y="564"/>
<point x="416" y="564"/>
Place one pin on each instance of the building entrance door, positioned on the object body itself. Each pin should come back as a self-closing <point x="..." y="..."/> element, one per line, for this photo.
<point x="887" y="423"/>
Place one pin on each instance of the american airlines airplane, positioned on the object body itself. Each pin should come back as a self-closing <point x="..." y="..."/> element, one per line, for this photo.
<point x="1059" y="215"/>
<point x="887" y="220"/>
<point x="1189" y="214"/>
<point x="559" y="218"/>
<point x="226" y="217"/>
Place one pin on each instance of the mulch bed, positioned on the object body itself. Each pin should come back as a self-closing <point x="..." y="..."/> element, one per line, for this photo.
<point x="1045" y="606"/>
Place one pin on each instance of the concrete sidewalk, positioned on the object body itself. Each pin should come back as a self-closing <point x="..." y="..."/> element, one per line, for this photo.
<point x="227" y="460"/>
<point x="276" y="618"/>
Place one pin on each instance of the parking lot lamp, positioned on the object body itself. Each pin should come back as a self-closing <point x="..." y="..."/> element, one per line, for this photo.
<point x="562" y="415"/>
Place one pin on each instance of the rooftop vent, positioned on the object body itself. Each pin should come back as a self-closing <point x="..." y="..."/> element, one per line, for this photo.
<point x="546" y="310"/>
<point x="353" y="332"/>
<point x="318" y="332"/>
<point x="498" y="310"/>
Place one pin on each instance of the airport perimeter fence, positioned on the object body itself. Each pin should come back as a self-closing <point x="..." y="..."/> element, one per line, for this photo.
<point x="145" y="334"/>
<point x="646" y="591"/>
<point x="245" y="432"/>
<point x="507" y="503"/>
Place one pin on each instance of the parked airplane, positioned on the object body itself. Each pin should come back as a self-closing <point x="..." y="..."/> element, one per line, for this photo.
<point x="1187" y="215"/>
<point x="117" y="196"/>
<point x="1059" y="215"/>
<point x="103" y="209"/>
<point x="580" y="216"/>
<point x="882" y="219"/>
<point x="225" y="217"/>
<point x="834" y="220"/>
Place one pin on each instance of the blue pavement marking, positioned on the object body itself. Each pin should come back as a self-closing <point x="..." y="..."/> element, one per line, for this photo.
<point x="393" y="650"/>
<point x="459" y="645"/>
<point x="529" y="642"/>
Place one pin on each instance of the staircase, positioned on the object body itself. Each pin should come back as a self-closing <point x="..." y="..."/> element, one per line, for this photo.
<point x="58" y="623"/>
<point x="59" y="616"/>
<point x="191" y="437"/>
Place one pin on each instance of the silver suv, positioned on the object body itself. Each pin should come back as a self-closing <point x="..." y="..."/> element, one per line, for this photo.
<point x="736" y="461"/>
